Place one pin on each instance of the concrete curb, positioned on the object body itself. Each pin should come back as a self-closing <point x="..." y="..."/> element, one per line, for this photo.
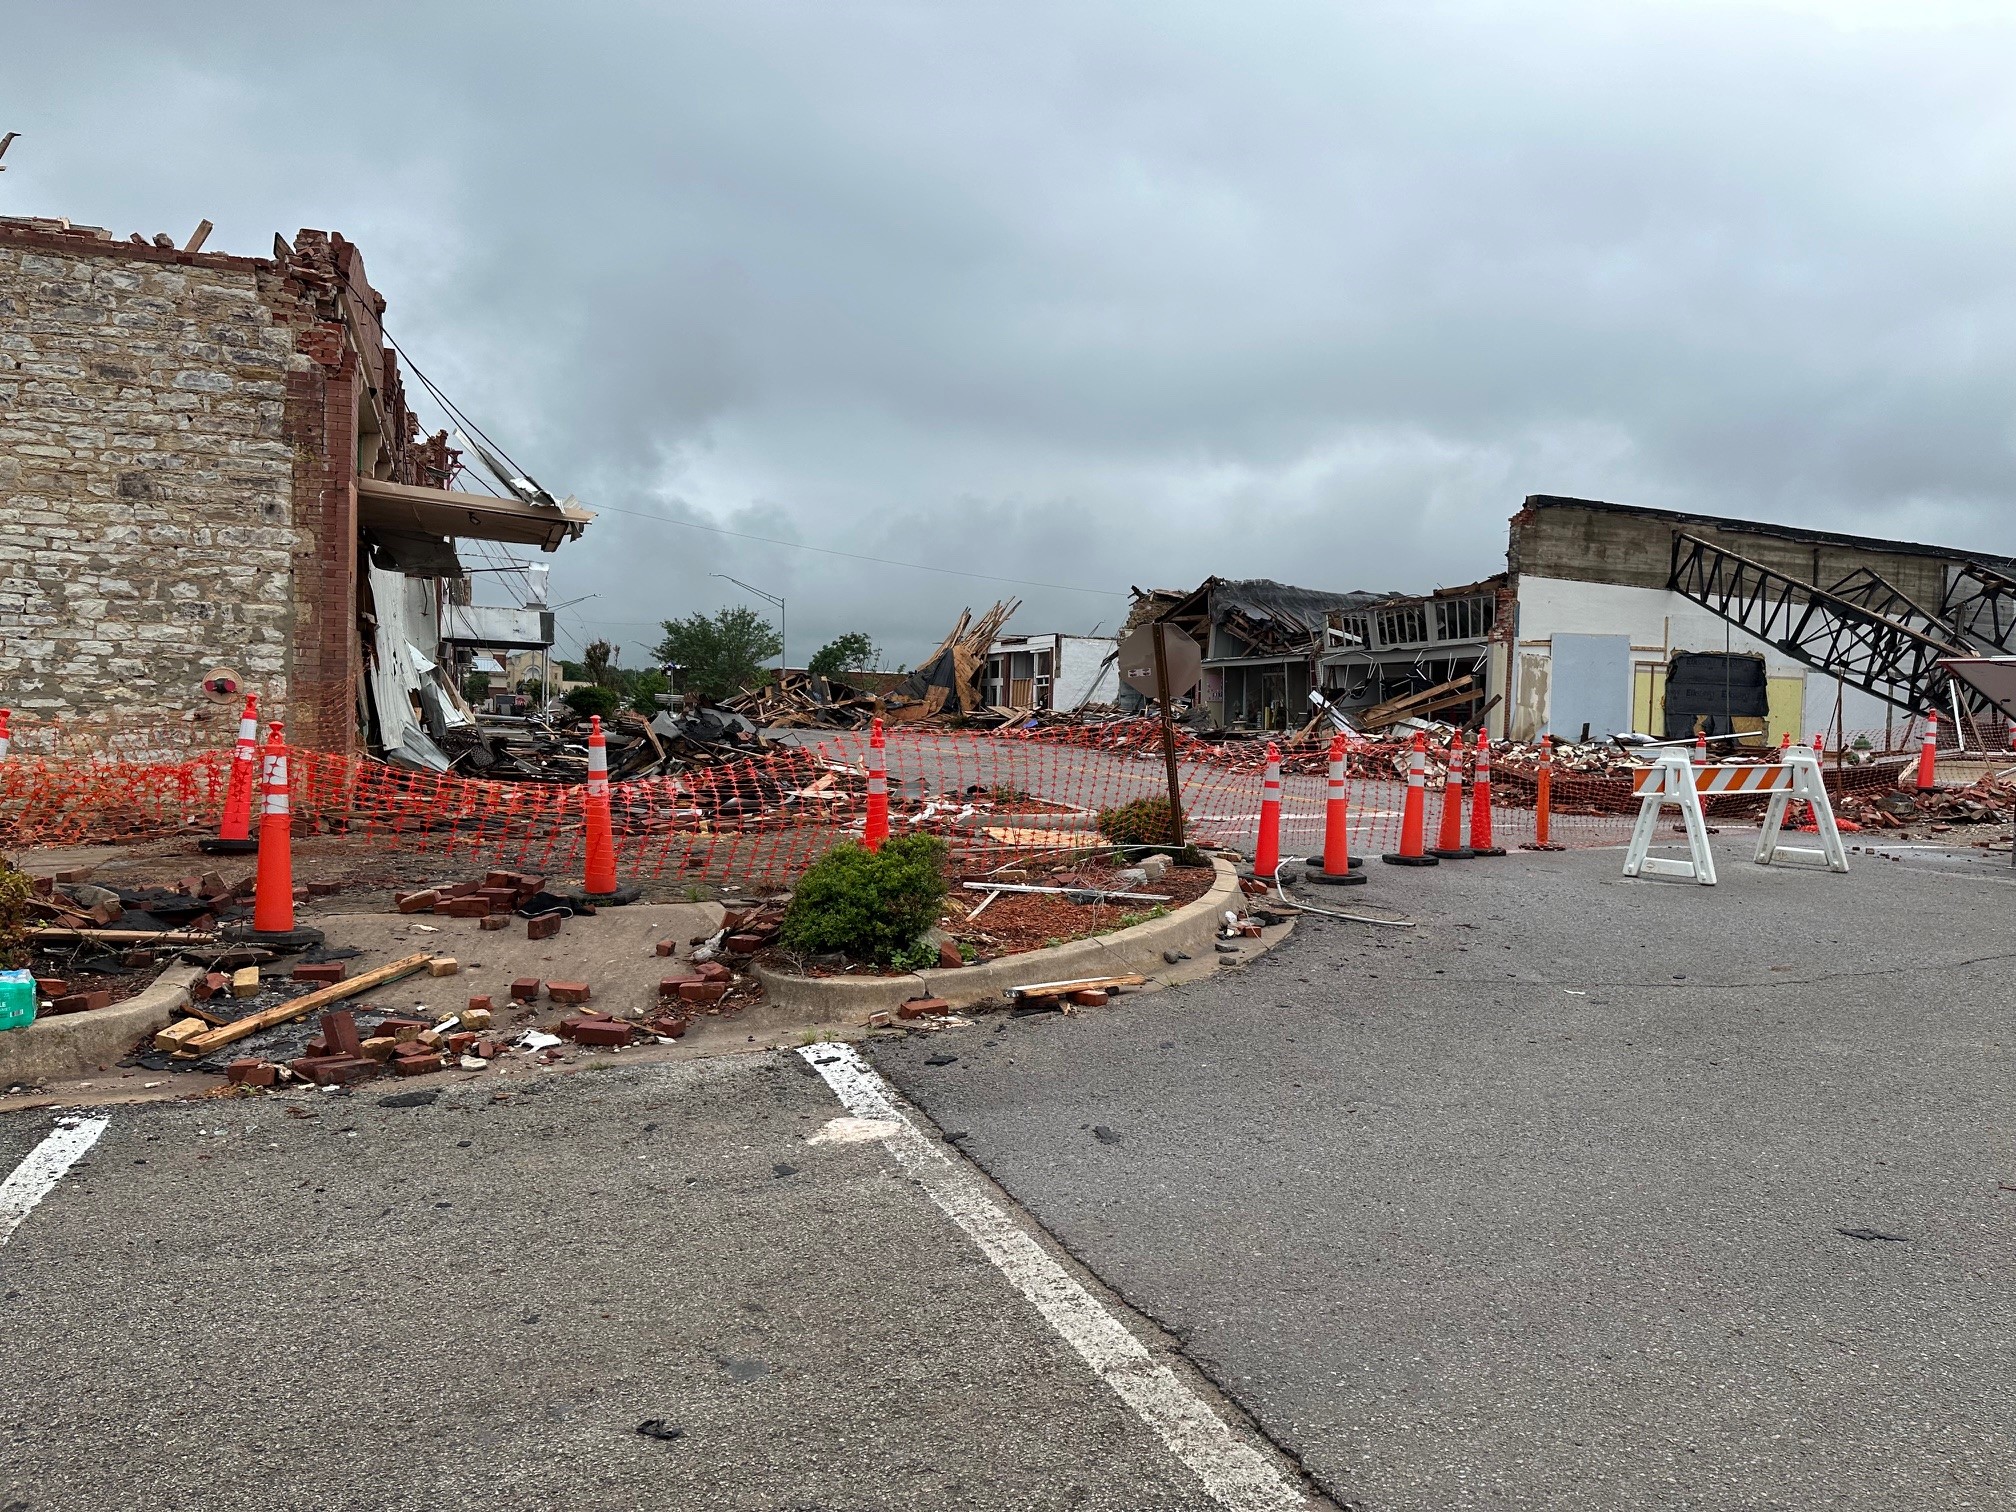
<point x="77" y="1044"/>
<point x="792" y="1001"/>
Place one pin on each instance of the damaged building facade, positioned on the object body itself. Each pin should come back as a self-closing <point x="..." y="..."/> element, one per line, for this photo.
<point x="213" y="485"/>
<point x="1669" y="623"/>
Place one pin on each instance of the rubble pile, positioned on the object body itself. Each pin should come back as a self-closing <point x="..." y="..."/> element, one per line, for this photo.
<point x="1989" y="800"/>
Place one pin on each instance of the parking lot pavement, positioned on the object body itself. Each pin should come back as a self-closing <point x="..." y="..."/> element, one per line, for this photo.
<point x="333" y="1302"/>
<point x="1586" y="1194"/>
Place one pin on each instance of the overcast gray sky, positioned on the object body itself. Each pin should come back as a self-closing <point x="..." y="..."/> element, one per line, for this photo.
<point x="1094" y="294"/>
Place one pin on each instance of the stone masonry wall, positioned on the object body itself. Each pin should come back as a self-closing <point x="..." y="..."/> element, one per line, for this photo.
<point x="148" y="531"/>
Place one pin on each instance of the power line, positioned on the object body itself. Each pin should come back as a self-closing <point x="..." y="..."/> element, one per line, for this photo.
<point x="856" y="556"/>
<point x="641" y="514"/>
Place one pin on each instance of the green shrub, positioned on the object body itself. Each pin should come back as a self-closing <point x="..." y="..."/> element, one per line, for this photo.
<point x="1145" y="821"/>
<point x="15" y="891"/>
<point x="872" y="905"/>
<point x="593" y="699"/>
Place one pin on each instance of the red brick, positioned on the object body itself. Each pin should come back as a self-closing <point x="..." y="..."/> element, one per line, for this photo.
<point x="494" y="921"/>
<point x="400" y="1028"/>
<point x="667" y="947"/>
<point x="81" y="1002"/>
<point x="670" y="1026"/>
<point x="1089" y="997"/>
<point x="417" y="1065"/>
<point x="459" y="889"/>
<point x="252" y="1073"/>
<point x="486" y="1049"/>
<point x="570" y="993"/>
<point x="332" y="1070"/>
<point x="668" y="987"/>
<point x="525" y="990"/>
<point x="483" y="1003"/>
<point x="417" y="902"/>
<point x="500" y="899"/>
<point x="319" y="889"/>
<point x="216" y="983"/>
<point x="743" y="944"/>
<point x="929" y="1007"/>
<point x="948" y="955"/>
<point x="602" y="1032"/>
<point x="461" y="1040"/>
<point x="327" y="972"/>
<point x="74" y="874"/>
<point x="134" y="958"/>
<point x="318" y="1047"/>
<point x="503" y="879"/>
<point x="53" y="987"/>
<point x="462" y="908"/>
<point x="543" y="926"/>
<point x="702" y="992"/>
<point x="339" y="1027"/>
<point x="714" y="971"/>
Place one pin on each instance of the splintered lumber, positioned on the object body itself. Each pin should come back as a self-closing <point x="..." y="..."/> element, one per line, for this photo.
<point x="1076" y="984"/>
<point x="1085" y="892"/>
<point x="294" y="1008"/>
<point x="1428" y="699"/>
<point x="125" y="936"/>
<point x="179" y="1033"/>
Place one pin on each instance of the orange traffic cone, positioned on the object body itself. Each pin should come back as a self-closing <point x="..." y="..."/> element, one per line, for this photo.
<point x="6" y="736"/>
<point x="1543" y="800"/>
<point x="1335" y="866"/>
<point x="1267" y="849"/>
<point x="876" y="829"/>
<point x="1449" y="846"/>
<point x="599" y="875"/>
<point x="273" y="903"/>
<point x="1414" y="818"/>
<point x="234" y="833"/>
<point x="1481" y="843"/>
<point x="1928" y="754"/>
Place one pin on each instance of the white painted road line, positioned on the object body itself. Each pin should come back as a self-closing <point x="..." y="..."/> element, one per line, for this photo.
<point x="1238" y="1476"/>
<point x="45" y="1165"/>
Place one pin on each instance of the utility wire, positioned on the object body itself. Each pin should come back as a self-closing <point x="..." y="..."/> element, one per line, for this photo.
<point x="854" y="556"/>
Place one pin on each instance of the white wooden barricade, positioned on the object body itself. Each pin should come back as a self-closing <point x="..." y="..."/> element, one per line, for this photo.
<point x="1675" y="780"/>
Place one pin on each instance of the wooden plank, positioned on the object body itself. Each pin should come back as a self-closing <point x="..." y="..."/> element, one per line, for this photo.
<point x="216" y="1039"/>
<point x="1401" y="708"/>
<point x="1080" y="984"/>
<point x="126" y="936"/>
<point x="179" y="1033"/>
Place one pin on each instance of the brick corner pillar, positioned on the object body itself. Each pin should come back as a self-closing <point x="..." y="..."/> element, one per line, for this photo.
<point x="324" y="654"/>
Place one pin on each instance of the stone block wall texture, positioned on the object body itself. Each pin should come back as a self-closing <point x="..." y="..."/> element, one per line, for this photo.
<point x="147" y="523"/>
<point x="179" y="439"/>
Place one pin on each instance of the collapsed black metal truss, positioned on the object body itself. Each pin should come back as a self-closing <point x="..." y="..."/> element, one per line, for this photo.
<point x="1980" y="604"/>
<point x="1862" y="631"/>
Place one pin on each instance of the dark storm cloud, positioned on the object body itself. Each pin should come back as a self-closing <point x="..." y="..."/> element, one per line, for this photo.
<point x="1100" y="295"/>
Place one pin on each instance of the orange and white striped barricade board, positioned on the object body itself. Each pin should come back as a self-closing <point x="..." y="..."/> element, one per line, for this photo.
<point x="1671" y="779"/>
<point x="1799" y="778"/>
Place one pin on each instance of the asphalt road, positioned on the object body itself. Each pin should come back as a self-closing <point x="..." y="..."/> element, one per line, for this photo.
<point x="320" y="1301"/>
<point x="1543" y="1205"/>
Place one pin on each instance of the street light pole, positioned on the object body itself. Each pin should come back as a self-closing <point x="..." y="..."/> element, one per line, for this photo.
<point x="783" y="625"/>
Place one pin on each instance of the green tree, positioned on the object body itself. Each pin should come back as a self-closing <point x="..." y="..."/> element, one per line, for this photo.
<point x="850" y="652"/>
<point x="598" y="661"/>
<point x="643" y="687"/>
<point x="721" y="653"/>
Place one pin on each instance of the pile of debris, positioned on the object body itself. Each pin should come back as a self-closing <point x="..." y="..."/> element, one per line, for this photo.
<point x="1990" y="800"/>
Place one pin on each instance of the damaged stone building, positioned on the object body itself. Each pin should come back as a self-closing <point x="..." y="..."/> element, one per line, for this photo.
<point x="1620" y="617"/>
<point x="211" y="483"/>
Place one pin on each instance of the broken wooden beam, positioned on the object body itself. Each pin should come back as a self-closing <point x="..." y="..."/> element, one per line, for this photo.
<point x="294" y="1008"/>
